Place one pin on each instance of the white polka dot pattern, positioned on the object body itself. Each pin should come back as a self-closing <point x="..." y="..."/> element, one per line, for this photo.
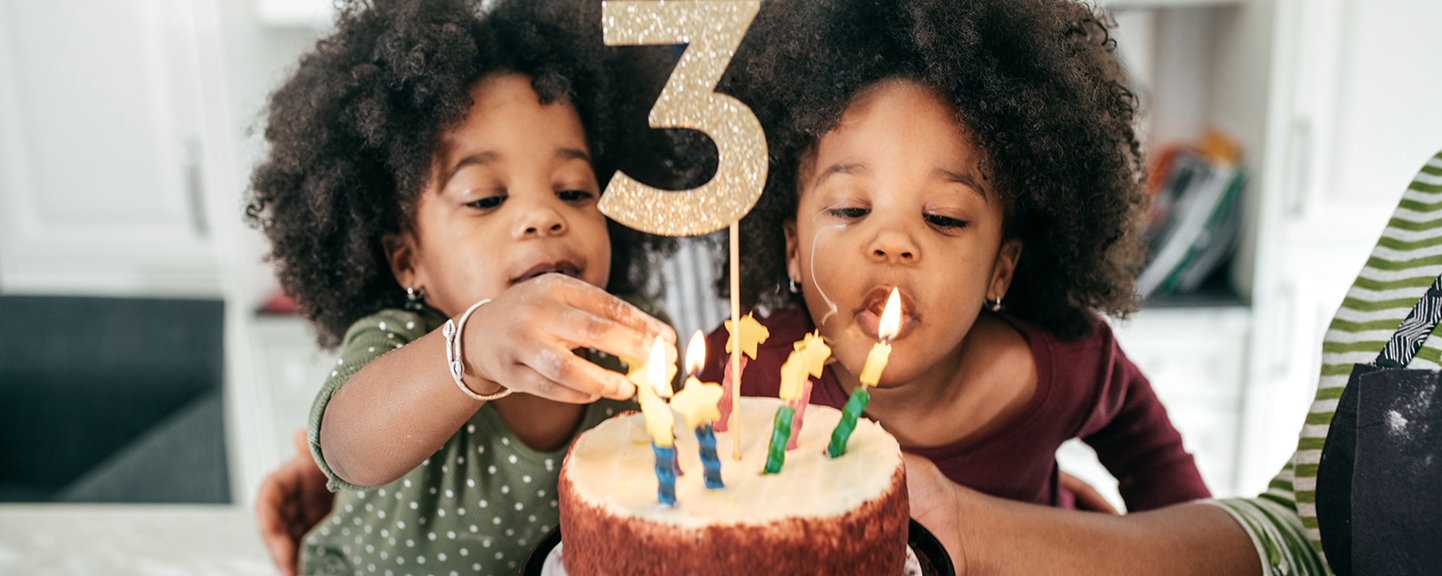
<point x="426" y="522"/>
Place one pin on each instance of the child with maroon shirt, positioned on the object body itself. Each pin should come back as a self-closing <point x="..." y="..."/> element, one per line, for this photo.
<point x="978" y="157"/>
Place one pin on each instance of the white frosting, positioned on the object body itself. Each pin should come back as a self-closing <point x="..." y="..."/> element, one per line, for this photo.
<point x="612" y="467"/>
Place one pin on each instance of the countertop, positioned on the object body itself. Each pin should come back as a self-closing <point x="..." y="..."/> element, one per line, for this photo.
<point x="130" y="539"/>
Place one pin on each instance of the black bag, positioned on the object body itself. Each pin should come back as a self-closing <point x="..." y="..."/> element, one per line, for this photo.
<point x="1379" y="482"/>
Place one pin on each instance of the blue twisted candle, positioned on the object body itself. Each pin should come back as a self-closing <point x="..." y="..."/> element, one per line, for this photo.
<point x="706" y="437"/>
<point x="665" y="474"/>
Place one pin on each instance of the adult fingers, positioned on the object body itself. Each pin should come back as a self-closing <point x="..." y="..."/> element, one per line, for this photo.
<point x="270" y="521"/>
<point x="301" y="442"/>
<point x="1087" y="497"/>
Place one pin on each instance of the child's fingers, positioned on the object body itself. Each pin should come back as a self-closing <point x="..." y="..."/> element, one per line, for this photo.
<point x="592" y="299"/>
<point x="583" y="329"/>
<point x="564" y="368"/>
<point x="526" y="379"/>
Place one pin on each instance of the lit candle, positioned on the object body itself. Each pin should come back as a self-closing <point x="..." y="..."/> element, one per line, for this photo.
<point x="870" y="375"/>
<point x="697" y="403"/>
<point x="659" y="421"/>
<point x="814" y="352"/>
<point x="751" y="335"/>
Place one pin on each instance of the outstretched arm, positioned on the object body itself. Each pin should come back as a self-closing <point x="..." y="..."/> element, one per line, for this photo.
<point x="987" y="535"/>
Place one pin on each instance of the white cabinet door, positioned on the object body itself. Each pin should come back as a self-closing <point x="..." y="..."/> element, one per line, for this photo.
<point x="1353" y="114"/>
<point x="100" y="150"/>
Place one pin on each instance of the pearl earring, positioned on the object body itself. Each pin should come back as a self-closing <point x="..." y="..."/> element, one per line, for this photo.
<point x="415" y="298"/>
<point x="794" y="288"/>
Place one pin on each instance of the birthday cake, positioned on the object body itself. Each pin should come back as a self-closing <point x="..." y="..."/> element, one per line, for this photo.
<point x="818" y="515"/>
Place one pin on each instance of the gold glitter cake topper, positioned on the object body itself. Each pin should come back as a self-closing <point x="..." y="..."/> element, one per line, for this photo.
<point x="712" y="30"/>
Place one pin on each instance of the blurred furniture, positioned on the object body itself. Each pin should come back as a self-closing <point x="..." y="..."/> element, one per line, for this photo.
<point x="111" y="400"/>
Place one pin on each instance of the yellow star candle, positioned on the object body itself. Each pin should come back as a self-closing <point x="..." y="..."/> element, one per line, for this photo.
<point x="751" y="335"/>
<point x="792" y="374"/>
<point x="807" y="359"/>
<point x="813" y="353"/>
<point x="697" y="403"/>
<point x="870" y="375"/>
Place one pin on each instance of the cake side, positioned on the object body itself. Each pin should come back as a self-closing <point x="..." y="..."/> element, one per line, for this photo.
<point x="818" y="516"/>
<point x="870" y="540"/>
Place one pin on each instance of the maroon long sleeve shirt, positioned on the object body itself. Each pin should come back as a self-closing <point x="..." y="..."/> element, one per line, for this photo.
<point x="1086" y="388"/>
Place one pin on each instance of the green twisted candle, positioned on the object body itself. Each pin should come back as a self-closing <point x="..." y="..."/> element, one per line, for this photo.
<point x="780" y="433"/>
<point x="849" y="413"/>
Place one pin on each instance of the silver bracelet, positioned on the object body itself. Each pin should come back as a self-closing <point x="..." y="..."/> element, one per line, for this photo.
<point x="452" y="332"/>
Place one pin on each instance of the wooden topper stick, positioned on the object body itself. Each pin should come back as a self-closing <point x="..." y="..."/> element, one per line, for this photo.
<point x="735" y="342"/>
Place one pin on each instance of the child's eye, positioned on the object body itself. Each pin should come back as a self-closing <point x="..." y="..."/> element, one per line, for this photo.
<point x="848" y="213"/>
<point x="944" y="221"/>
<point x="487" y="203"/>
<point x="574" y="195"/>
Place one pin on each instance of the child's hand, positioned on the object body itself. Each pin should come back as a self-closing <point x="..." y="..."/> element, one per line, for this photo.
<point x="290" y="502"/>
<point x="523" y="339"/>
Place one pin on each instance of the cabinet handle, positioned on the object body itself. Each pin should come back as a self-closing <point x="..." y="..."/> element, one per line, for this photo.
<point x="195" y="186"/>
<point x="1299" y="181"/>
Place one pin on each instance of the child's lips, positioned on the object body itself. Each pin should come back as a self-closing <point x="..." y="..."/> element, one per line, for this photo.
<point x="870" y="321"/>
<point x="565" y="267"/>
<point x="868" y="317"/>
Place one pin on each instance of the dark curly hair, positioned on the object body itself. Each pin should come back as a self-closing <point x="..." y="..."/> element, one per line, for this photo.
<point x="1035" y="83"/>
<point x="353" y="131"/>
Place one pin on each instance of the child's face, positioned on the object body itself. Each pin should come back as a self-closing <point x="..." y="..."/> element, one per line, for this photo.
<point x="894" y="198"/>
<point x="512" y="195"/>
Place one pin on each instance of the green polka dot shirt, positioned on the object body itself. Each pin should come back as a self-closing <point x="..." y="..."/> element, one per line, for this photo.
<point x="476" y="506"/>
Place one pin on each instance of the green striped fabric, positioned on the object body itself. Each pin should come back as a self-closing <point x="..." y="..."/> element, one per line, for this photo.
<point x="1283" y="521"/>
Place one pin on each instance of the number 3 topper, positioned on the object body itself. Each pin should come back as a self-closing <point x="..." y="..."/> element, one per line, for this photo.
<point x="712" y="30"/>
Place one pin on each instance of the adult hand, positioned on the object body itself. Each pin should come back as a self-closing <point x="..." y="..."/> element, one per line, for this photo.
<point x="524" y="338"/>
<point x="290" y="502"/>
<point x="987" y="535"/>
<point x="1087" y="498"/>
<point x="937" y="503"/>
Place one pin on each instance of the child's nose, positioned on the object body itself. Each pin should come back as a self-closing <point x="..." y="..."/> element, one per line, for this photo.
<point x="539" y="219"/>
<point x="893" y="246"/>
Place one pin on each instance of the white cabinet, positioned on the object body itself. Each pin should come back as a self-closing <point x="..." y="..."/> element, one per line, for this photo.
<point x="1195" y="362"/>
<point x="1336" y="105"/>
<point x="100" y="153"/>
<point x="1353" y="114"/>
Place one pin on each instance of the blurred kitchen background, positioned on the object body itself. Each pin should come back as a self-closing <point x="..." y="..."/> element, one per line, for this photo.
<point x="143" y="359"/>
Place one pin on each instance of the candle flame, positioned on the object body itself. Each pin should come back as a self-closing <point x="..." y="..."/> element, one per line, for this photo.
<point x="890" y="317"/>
<point x="695" y="353"/>
<point x="656" y="367"/>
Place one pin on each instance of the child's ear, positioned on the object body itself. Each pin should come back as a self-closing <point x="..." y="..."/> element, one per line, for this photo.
<point x="401" y="255"/>
<point x="1004" y="269"/>
<point x="793" y="255"/>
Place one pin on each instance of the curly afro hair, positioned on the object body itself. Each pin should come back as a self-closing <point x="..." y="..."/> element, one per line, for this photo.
<point x="1036" y="84"/>
<point x="353" y="131"/>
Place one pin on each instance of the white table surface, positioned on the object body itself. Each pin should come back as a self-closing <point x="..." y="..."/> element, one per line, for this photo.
<point x="130" y="539"/>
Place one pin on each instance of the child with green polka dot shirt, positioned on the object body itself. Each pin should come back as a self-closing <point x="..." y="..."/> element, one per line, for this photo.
<point x="431" y="198"/>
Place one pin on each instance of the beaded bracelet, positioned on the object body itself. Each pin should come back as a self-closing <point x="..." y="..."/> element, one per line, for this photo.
<point x="452" y="332"/>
